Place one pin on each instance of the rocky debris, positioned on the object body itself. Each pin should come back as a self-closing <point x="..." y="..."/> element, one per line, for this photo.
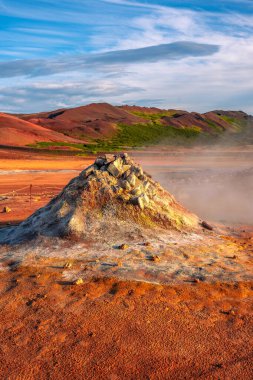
<point x="130" y="184"/>
<point x="6" y="209"/>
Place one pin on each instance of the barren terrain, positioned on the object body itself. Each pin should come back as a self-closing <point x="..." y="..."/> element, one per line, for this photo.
<point x="173" y="306"/>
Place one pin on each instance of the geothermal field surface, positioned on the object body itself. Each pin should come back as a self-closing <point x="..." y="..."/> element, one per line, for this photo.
<point x="129" y="298"/>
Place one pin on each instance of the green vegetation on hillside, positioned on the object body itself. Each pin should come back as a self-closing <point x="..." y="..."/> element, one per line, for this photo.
<point x="131" y="136"/>
<point x="153" y="131"/>
<point x="153" y="116"/>
<point x="137" y="135"/>
<point x="236" y="123"/>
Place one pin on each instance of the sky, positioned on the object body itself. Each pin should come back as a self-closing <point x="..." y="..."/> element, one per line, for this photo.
<point x="187" y="54"/>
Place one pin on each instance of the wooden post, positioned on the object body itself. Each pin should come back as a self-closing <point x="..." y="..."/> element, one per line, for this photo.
<point x="31" y="195"/>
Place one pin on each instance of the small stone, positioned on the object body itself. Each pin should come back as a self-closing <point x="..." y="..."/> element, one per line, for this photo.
<point x="131" y="179"/>
<point x="155" y="258"/>
<point x="145" y="199"/>
<point x="6" y="209"/>
<point x="117" y="189"/>
<point x="109" y="158"/>
<point x="100" y="161"/>
<point x="68" y="265"/>
<point x="137" y="201"/>
<point x="115" y="167"/>
<point x="125" y="168"/>
<point x="146" y="185"/>
<point x="113" y="170"/>
<point x="79" y="281"/>
<point x="123" y="197"/>
<point x="126" y="174"/>
<point x="137" y="191"/>
<point x="87" y="172"/>
<point x="124" y="155"/>
<point x="123" y="246"/>
<point x="125" y="185"/>
<point x="206" y="226"/>
<point x="138" y="171"/>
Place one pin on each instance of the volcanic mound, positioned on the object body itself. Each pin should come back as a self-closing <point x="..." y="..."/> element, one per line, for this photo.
<point x="106" y="197"/>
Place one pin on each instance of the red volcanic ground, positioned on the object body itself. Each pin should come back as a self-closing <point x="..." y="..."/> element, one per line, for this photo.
<point x="93" y="120"/>
<point x="17" y="132"/>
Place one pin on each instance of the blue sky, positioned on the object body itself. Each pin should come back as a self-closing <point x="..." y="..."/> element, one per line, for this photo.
<point x="186" y="54"/>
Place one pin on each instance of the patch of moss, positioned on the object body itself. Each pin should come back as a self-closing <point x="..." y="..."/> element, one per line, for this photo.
<point x="141" y="134"/>
<point x="153" y="116"/>
<point x="214" y="126"/>
<point x="236" y="123"/>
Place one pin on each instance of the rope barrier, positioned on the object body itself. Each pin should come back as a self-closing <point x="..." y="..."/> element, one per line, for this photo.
<point x="14" y="191"/>
<point x="27" y="187"/>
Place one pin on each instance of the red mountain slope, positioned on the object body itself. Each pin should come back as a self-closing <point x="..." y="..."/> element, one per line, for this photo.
<point x="94" y="120"/>
<point x="17" y="132"/>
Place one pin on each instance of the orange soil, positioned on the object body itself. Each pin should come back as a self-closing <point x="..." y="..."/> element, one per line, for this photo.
<point x="44" y="185"/>
<point x="106" y="329"/>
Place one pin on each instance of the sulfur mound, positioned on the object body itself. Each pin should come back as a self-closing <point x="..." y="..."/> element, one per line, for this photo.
<point x="112" y="191"/>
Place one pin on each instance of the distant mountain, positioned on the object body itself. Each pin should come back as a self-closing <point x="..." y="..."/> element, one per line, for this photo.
<point x="17" y="132"/>
<point x="103" y="127"/>
<point x="210" y="122"/>
<point x="95" y="120"/>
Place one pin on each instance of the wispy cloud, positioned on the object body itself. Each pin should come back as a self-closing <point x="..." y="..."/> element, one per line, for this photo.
<point x="173" y="51"/>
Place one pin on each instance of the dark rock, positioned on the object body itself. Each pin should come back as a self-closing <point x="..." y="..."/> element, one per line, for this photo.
<point x="100" y="161"/>
<point x="6" y="209"/>
<point x="206" y="226"/>
<point x="123" y="246"/>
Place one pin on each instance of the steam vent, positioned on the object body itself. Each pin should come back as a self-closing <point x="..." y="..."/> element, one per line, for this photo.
<point x="112" y="191"/>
